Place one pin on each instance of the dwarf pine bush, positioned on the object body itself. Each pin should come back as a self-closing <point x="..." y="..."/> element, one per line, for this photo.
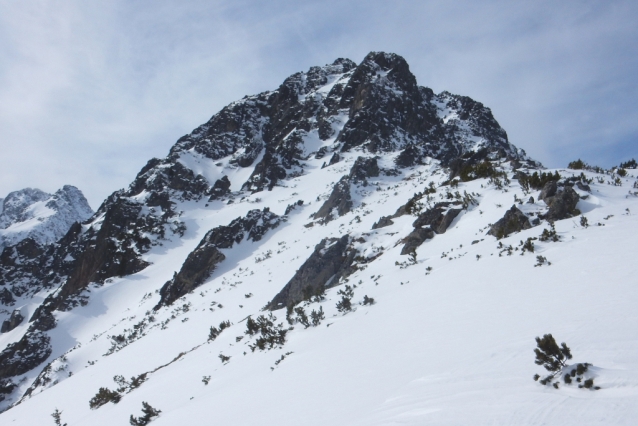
<point x="103" y="396"/>
<point x="554" y="358"/>
<point x="148" y="413"/>
<point x="57" y="418"/>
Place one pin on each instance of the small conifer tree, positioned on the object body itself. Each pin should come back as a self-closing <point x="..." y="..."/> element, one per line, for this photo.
<point x="317" y="316"/>
<point x="302" y="318"/>
<point x="550" y="355"/>
<point x="345" y="304"/>
<point x="148" y="414"/>
<point x="57" y="418"/>
<point x="103" y="396"/>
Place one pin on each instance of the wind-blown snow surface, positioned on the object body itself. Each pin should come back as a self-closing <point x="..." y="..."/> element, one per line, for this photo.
<point x="32" y="213"/>
<point x="450" y="347"/>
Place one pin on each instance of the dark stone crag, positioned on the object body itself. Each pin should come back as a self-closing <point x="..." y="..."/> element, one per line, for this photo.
<point x="331" y="260"/>
<point x="14" y="320"/>
<point x="513" y="221"/>
<point x="561" y="201"/>
<point x="435" y="220"/>
<point x="340" y="200"/>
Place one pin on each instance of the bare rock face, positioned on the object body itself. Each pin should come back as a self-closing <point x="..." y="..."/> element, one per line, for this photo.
<point x="14" y="320"/>
<point x="561" y="201"/>
<point x="416" y="238"/>
<point x="197" y="267"/>
<point x="220" y="188"/>
<point x="387" y="220"/>
<point x="383" y="222"/>
<point x="433" y="221"/>
<point x="42" y="319"/>
<point x="334" y="159"/>
<point x="6" y="297"/>
<point x="201" y="262"/>
<point x="513" y="221"/>
<point x="438" y="217"/>
<point x="411" y="155"/>
<point x="340" y="200"/>
<point x="6" y="387"/>
<point x="24" y="355"/>
<point x="331" y="260"/>
<point x="548" y="191"/>
<point x="362" y="169"/>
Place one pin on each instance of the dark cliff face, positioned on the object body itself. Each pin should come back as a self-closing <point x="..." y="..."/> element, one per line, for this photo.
<point x="387" y="109"/>
<point x="373" y="108"/>
<point x="331" y="260"/>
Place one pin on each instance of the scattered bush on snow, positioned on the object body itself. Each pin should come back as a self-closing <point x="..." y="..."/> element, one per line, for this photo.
<point x="271" y="335"/>
<point x="57" y="418"/>
<point x="214" y="331"/>
<point x="554" y="358"/>
<point x="148" y="414"/>
<point x="345" y="304"/>
<point x="103" y="396"/>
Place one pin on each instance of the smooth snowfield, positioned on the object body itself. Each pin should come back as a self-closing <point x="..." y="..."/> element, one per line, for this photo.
<point x="450" y="347"/>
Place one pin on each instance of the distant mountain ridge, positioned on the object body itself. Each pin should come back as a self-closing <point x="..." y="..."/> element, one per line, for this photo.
<point x="45" y="218"/>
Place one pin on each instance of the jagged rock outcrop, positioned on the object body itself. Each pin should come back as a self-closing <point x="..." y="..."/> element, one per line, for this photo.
<point x="14" y="320"/>
<point x="331" y="260"/>
<point x="339" y="202"/>
<point x="27" y="268"/>
<point x="415" y="239"/>
<point x="383" y="222"/>
<point x="42" y="319"/>
<point x="514" y="220"/>
<point x="220" y="188"/>
<point x="201" y="262"/>
<point x="561" y="201"/>
<point x="6" y="297"/>
<point x="294" y="110"/>
<point x="435" y="220"/>
<point x="387" y="220"/>
<point x="549" y="190"/>
<point x="362" y="169"/>
<point x="26" y="354"/>
<point x="292" y="207"/>
<point x="439" y="217"/>
<point x="6" y="387"/>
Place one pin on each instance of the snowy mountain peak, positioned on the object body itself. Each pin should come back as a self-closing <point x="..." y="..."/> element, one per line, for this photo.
<point x="348" y="227"/>
<point x="32" y="213"/>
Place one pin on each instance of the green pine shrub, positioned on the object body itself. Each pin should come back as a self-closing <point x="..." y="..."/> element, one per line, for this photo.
<point x="148" y="414"/>
<point x="103" y="396"/>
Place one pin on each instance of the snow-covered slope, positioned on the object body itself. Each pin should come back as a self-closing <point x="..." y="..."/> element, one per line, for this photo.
<point x="45" y="218"/>
<point x="270" y="272"/>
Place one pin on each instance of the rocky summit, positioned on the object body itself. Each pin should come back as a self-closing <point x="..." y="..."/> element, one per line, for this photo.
<point x="345" y="241"/>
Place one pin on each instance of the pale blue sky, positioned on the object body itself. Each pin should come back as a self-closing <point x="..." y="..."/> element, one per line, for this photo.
<point x="89" y="91"/>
